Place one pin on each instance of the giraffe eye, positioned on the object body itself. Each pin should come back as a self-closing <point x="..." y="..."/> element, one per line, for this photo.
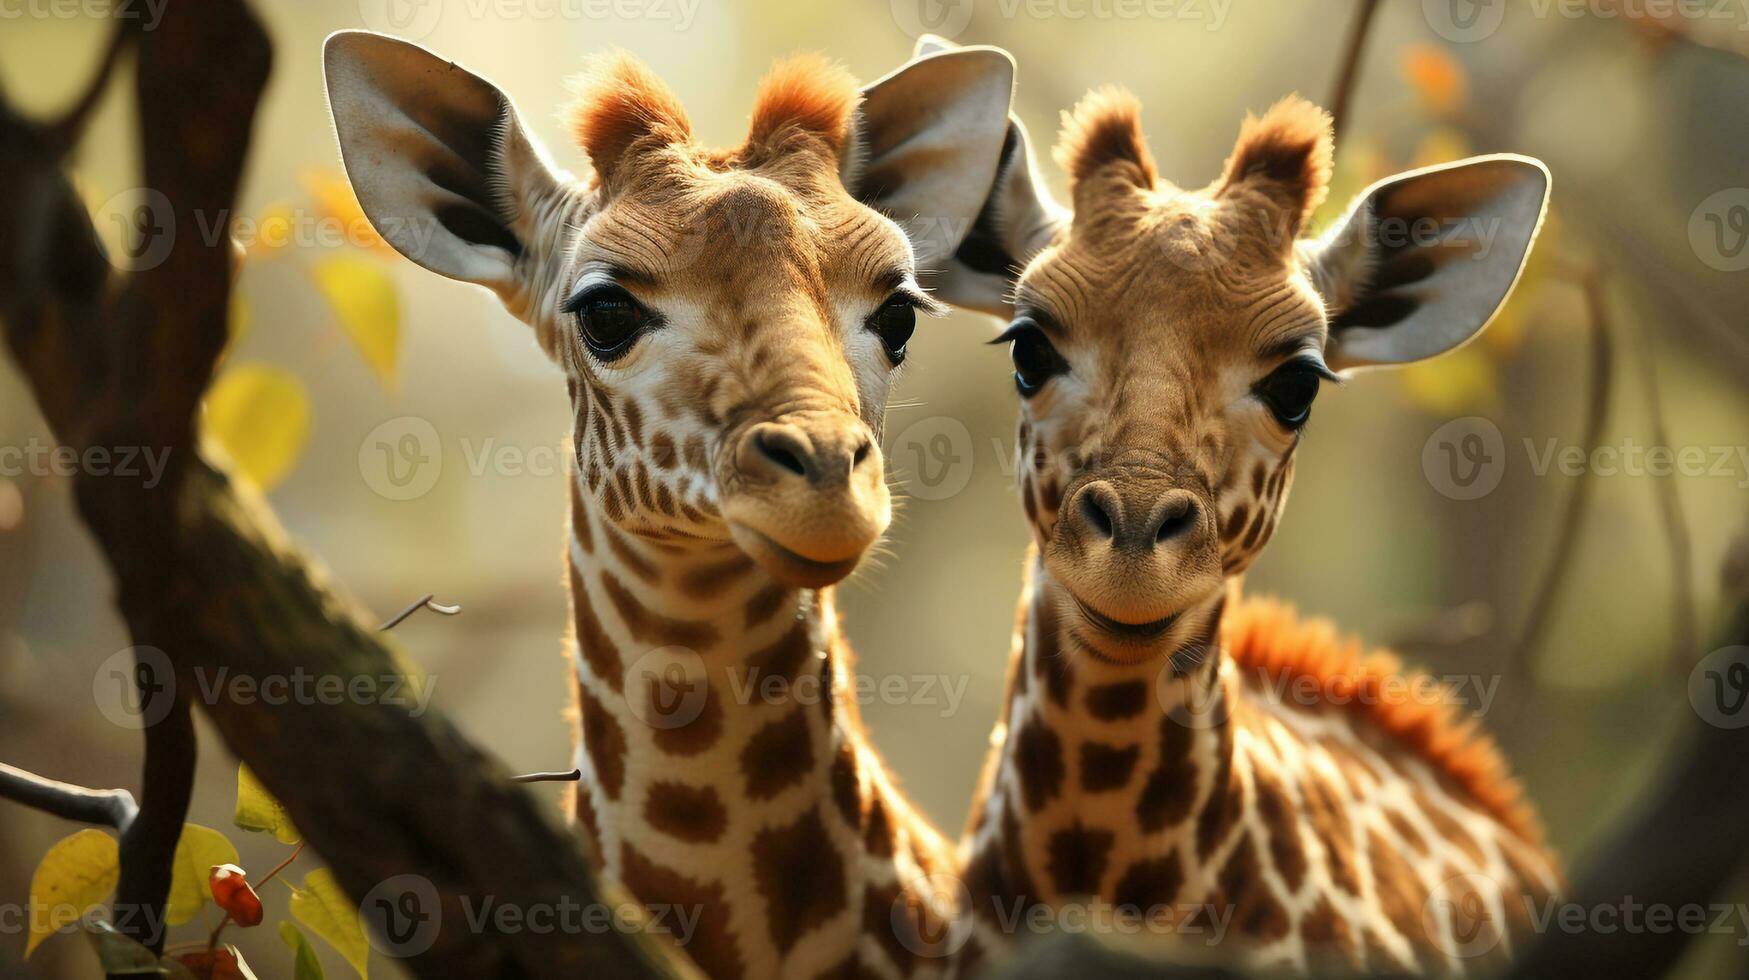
<point x="1289" y="390"/>
<point x="610" y="320"/>
<point x="1035" y="360"/>
<point x="893" y="323"/>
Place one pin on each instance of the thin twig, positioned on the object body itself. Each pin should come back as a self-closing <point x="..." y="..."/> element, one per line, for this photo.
<point x="1350" y="70"/>
<point x="1682" y="603"/>
<point x="1536" y="621"/>
<point x="549" y="777"/>
<point x="423" y="602"/>
<point x="109" y="807"/>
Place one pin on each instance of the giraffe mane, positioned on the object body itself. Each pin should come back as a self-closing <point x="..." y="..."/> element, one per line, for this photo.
<point x="1269" y="636"/>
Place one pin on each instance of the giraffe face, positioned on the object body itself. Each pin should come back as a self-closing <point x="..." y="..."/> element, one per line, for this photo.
<point x="729" y="320"/>
<point x="1162" y="400"/>
<point x="741" y="397"/>
<point x="1169" y="343"/>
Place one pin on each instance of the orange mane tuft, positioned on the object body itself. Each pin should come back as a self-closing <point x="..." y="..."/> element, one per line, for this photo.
<point x="619" y="102"/>
<point x="1269" y="637"/>
<point x="1105" y="127"/>
<point x="806" y="91"/>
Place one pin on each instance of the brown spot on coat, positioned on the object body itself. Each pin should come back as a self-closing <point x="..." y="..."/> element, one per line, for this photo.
<point x="1038" y="760"/>
<point x="1076" y="859"/>
<point x="605" y="741"/>
<point x="801" y="875"/>
<point x="1115" y="702"/>
<point x="1107" y="767"/>
<point x="689" y="813"/>
<point x="1280" y="819"/>
<point x="1149" y="884"/>
<point x="651" y="627"/>
<point x="712" y="944"/>
<point x="778" y="756"/>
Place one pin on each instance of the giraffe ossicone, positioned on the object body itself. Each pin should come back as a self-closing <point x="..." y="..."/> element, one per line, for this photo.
<point x="729" y="322"/>
<point x="1211" y="766"/>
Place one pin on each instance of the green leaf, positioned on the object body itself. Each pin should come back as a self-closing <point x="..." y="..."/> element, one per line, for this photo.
<point x="326" y="911"/>
<point x="76" y="874"/>
<point x="369" y="309"/>
<point x="305" y="965"/>
<point x="260" y="417"/>
<point x="120" y="955"/>
<point x="257" y="810"/>
<point x="198" y="849"/>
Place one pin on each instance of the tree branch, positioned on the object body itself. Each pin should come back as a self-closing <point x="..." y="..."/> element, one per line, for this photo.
<point x="148" y="847"/>
<point x="1599" y="392"/>
<point x="108" y="807"/>
<point x="1349" y="73"/>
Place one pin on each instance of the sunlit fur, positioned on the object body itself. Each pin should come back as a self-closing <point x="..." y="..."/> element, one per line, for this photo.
<point x="1167" y="773"/>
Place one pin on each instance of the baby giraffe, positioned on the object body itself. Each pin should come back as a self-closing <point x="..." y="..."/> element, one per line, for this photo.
<point x="729" y="323"/>
<point x="1177" y="756"/>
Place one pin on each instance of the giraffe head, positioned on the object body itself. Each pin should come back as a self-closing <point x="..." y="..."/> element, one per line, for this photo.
<point x="730" y="321"/>
<point x="1168" y="342"/>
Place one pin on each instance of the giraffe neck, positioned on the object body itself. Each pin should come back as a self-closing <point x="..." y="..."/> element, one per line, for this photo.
<point x="1181" y="794"/>
<point x="725" y="776"/>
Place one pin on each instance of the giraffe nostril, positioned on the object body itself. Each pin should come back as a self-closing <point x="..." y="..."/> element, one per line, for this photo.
<point x="781" y="452"/>
<point x="1097" y="514"/>
<point x="1178" y="517"/>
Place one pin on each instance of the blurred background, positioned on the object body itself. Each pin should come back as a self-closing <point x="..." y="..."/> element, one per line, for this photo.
<point x="341" y="346"/>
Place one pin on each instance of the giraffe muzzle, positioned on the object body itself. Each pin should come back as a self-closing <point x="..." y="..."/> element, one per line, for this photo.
<point x="808" y="498"/>
<point x="1134" y="555"/>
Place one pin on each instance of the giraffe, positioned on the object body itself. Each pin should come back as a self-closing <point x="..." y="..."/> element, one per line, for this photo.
<point x="1169" y="751"/>
<point x="729" y="322"/>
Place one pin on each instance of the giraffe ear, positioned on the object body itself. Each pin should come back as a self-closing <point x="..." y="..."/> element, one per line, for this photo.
<point x="1422" y="261"/>
<point x="1019" y="217"/>
<point x="925" y="144"/>
<point x="441" y="163"/>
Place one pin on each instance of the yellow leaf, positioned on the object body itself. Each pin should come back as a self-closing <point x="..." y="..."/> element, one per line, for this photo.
<point x="260" y="417"/>
<point x="339" y="205"/>
<point x="198" y="849"/>
<point x="1436" y="77"/>
<point x="258" y="810"/>
<point x="273" y="230"/>
<point x="1461" y="382"/>
<point x="364" y="298"/>
<point x="326" y="911"/>
<point x="76" y="874"/>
